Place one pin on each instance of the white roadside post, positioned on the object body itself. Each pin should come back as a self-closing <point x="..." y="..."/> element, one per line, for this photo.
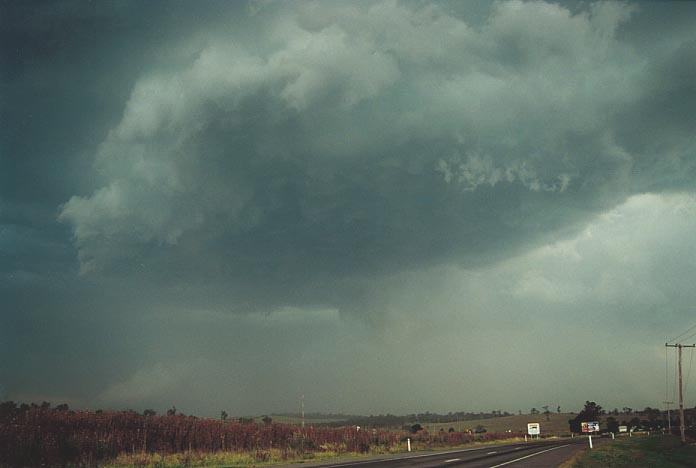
<point x="408" y="443"/>
<point x="589" y="428"/>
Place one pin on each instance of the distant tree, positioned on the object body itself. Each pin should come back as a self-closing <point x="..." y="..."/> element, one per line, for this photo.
<point x="171" y="411"/>
<point x="627" y="410"/>
<point x="558" y="410"/>
<point x="7" y="409"/>
<point x="652" y="414"/>
<point x="520" y="412"/>
<point x="590" y="412"/>
<point x="615" y="411"/>
<point x="223" y="415"/>
<point x="149" y="412"/>
<point x="246" y="420"/>
<point x="546" y="411"/>
<point x="62" y="407"/>
<point x="451" y="429"/>
<point x="534" y="411"/>
<point x="267" y="420"/>
<point x="415" y="428"/>
<point x="479" y="429"/>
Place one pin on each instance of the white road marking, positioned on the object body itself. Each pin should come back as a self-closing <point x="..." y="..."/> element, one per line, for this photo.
<point x="408" y="457"/>
<point x="491" y="453"/>
<point x="452" y="460"/>
<point x="529" y="456"/>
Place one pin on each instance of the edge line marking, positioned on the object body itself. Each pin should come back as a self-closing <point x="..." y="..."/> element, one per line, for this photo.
<point x="529" y="456"/>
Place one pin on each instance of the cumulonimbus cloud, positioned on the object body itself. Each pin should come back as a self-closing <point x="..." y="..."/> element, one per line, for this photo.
<point x="369" y="138"/>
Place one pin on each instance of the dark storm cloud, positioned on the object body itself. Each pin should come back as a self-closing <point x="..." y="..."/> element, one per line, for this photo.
<point x="359" y="140"/>
<point x="66" y="70"/>
<point x="162" y="165"/>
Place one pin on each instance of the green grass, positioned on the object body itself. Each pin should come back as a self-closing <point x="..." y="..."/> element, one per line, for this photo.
<point x="648" y="452"/>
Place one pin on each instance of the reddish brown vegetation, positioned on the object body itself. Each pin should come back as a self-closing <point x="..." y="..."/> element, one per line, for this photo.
<point x="40" y="435"/>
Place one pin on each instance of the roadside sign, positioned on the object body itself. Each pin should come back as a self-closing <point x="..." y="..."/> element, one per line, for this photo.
<point x="592" y="426"/>
<point x="623" y="428"/>
<point x="533" y="429"/>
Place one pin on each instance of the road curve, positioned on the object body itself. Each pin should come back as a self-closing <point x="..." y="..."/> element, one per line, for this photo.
<point x="537" y="454"/>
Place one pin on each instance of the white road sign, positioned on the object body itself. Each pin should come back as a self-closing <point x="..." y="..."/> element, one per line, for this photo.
<point x="533" y="429"/>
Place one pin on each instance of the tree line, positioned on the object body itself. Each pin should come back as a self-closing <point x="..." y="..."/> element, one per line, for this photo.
<point x="649" y="419"/>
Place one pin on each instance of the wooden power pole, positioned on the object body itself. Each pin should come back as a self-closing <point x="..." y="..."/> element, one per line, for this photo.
<point x="679" y="347"/>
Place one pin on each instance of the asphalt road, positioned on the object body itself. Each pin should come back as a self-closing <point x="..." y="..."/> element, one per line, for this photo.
<point x="537" y="455"/>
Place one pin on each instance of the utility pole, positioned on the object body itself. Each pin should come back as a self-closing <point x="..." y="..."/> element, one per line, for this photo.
<point x="669" y="418"/>
<point x="679" y="347"/>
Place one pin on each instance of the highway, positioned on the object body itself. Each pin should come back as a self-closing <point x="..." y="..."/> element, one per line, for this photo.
<point x="537" y="455"/>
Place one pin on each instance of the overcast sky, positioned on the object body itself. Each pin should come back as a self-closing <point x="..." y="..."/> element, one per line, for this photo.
<point x="384" y="206"/>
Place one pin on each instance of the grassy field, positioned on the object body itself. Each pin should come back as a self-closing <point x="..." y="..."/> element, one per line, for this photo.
<point x="654" y="452"/>
<point x="298" y="420"/>
<point x="558" y="423"/>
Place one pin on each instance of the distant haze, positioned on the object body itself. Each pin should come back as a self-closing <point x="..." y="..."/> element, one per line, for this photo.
<point x="383" y="206"/>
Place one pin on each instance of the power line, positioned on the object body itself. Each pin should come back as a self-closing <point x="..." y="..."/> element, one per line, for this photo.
<point x="666" y="376"/>
<point x="669" y="416"/>
<point x="689" y="337"/>
<point x="679" y="337"/>
<point x="676" y="377"/>
<point x="688" y="374"/>
<point x="667" y="401"/>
